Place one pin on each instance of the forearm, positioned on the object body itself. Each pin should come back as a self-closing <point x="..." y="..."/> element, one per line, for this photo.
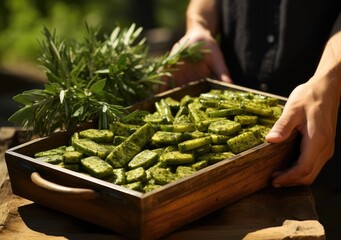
<point x="202" y="15"/>
<point x="202" y="26"/>
<point x="312" y="109"/>
<point x="328" y="71"/>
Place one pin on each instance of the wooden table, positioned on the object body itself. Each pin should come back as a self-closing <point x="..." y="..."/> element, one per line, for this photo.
<point x="267" y="214"/>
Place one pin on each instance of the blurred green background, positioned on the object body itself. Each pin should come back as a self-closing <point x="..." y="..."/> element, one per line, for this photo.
<point x="22" y="21"/>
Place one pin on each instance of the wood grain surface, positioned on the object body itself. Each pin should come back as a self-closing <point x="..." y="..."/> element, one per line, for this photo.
<point x="266" y="214"/>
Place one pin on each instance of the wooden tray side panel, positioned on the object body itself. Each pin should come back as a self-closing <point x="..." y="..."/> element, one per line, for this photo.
<point x="227" y="183"/>
<point x="115" y="210"/>
<point x="193" y="89"/>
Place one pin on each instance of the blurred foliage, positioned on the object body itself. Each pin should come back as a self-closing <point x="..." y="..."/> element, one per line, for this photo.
<point x="22" y="21"/>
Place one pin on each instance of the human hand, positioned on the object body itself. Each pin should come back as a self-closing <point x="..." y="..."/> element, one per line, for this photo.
<point x="312" y="109"/>
<point x="212" y="65"/>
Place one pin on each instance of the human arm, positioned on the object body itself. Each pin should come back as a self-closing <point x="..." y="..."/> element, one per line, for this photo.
<point x="312" y="109"/>
<point x="202" y="25"/>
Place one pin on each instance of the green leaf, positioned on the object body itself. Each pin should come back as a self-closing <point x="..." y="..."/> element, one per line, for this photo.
<point x="98" y="86"/>
<point x="28" y="97"/>
<point x="22" y="115"/>
<point x="61" y="96"/>
<point x="97" y="76"/>
<point x="78" y="112"/>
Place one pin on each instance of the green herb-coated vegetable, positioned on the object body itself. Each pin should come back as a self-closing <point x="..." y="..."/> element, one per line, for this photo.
<point x="177" y="158"/>
<point x="96" y="135"/>
<point x="220" y="148"/>
<point x="53" y="159"/>
<point x="224" y="127"/>
<point x="143" y="159"/>
<point x="162" y="138"/>
<point x="136" y="175"/>
<point x="89" y="147"/>
<point x="162" y="176"/>
<point x="194" y="143"/>
<point x="122" y="154"/>
<point x="200" y="165"/>
<point x="184" y="171"/>
<point x="212" y="158"/>
<point x="72" y="157"/>
<point x="142" y="135"/>
<point x="243" y="142"/>
<point x="150" y="187"/>
<point x="137" y="186"/>
<point x="246" y="119"/>
<point x="71" y="166"/>
<point x="96" y="167"/>
<point x="56" y="151"/>
<point x="118" y="177"/>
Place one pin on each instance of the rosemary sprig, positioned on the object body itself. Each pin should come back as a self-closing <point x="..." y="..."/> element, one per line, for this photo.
<point x="95" y="78"/>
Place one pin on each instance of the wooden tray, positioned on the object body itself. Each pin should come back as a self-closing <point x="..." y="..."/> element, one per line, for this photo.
<point x="154" y="214"/>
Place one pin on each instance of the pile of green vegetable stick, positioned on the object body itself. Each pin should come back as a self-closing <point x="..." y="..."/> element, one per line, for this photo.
<point x="177" y="140"/>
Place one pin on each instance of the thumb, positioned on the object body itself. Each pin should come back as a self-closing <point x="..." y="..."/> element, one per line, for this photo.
<point x="225" y="77"/>
<point x="282" y="129"/>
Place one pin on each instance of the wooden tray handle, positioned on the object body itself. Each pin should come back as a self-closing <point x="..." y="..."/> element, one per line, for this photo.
<point x="63" y="191"/>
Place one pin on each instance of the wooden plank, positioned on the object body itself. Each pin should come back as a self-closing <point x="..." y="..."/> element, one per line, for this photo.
<point x="258" y="212"/>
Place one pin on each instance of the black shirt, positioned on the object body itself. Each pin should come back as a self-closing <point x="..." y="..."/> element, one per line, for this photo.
<point x="275" y="45"/>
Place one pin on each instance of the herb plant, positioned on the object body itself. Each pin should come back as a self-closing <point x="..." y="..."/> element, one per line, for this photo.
<point x="98" y="77"/>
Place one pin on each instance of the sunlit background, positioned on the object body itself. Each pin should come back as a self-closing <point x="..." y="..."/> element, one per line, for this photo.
<point x="22" y="22"/>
